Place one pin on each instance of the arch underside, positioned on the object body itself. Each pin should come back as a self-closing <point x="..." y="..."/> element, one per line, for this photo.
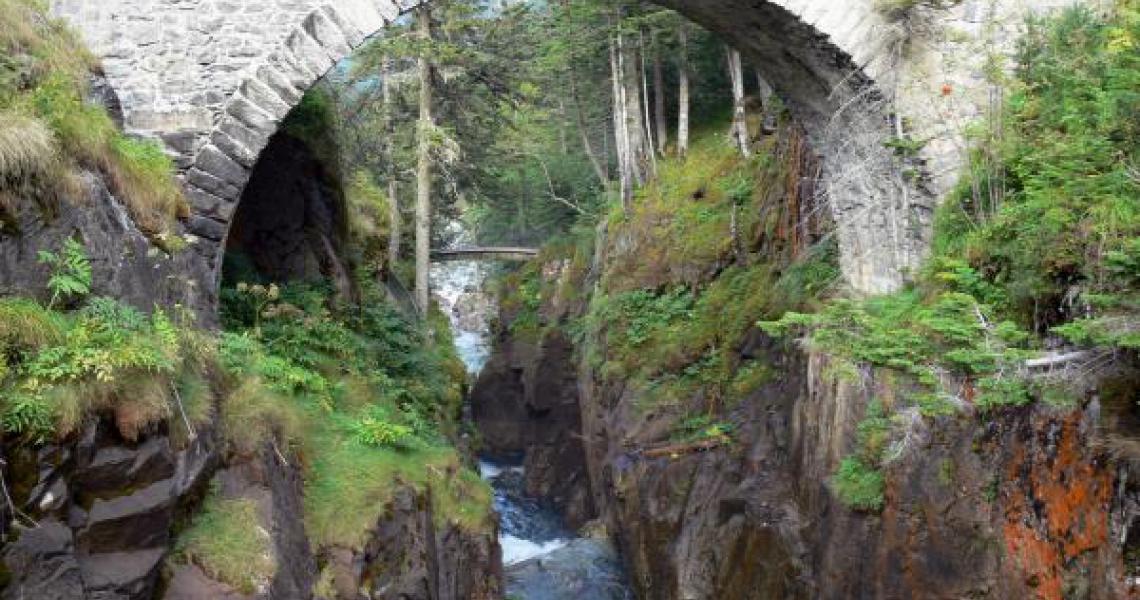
<point x="881" y="224"/>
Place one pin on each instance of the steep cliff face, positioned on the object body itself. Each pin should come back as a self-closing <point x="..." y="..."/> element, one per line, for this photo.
<point x="103" y="516"/>
<point x="409" y="555"/>
<point x="1022" y="506"/>
<point x="99" y="512"/>
<point x="526" y="401"/>
<point x="1033" y="502"/>
<point x="126" y="264"/>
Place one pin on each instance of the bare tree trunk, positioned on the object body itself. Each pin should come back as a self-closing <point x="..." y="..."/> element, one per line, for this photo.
<point x="562" y="144"/>
<point x="583" y="130"/>
<point x="393" y="197"/>
<point x="652" y="153"/>
<point x="739" y="116"/>
<point x="394" y="228"/>
<point x="683" y="86"/>
<point x="621" y="135"/>
<point x="659" y="96"/>
<point x="423" y="171"/>
<point x="638" y="148"/>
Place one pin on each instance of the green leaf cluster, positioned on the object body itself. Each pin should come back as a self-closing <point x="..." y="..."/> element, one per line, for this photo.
<point x="70" y="271"/>
<point x="105" y="356"/>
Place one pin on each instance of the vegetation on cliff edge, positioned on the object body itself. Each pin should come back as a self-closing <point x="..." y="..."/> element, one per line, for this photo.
<point x="1038" y="247"/>
<point x="50" y="131"/>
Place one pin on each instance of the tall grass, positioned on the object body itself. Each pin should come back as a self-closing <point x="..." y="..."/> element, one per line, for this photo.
<point x="229" y="543"/>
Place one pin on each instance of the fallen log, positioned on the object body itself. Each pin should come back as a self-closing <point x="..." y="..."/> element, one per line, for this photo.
<point x="679" y="449"/>
<point x="1057" y="360"/>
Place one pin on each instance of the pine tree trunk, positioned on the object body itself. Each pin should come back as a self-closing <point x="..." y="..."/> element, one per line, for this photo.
<point x="562" y="144"/>
<point x="644" y="71"/>
<point x="638" y="146"/>
<point x="739" y="116"/>
<point x="621" y="135"/>
<point x="394" y="219"/>
<point x="683" y="88"/>
<point x="659" y="97"/>
<point x="389" y="155"/>
<point x="423" y="172"/>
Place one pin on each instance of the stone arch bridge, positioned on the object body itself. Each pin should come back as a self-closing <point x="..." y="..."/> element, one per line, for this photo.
<point x="213" y="78"/>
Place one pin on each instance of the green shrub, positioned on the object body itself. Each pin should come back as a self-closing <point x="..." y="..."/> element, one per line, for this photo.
<point x="105" y="357"/>
<point x="366" y="395"/>
<point x="70" y="271"/>
<point x="858" y="486"/>
<point x="374" y="429"/>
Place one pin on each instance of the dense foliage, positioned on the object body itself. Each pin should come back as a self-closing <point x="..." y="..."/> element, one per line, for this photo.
<point x="717" y="242"/>
<point x="1056" y="232"/>
<point x="58" y="368"/>
<point x="524" y="141"/>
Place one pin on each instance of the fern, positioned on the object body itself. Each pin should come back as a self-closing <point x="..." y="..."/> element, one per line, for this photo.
<point x="70" y="271"/>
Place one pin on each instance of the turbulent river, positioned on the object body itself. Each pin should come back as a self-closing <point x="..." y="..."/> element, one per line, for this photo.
<point x="542" y="559"/>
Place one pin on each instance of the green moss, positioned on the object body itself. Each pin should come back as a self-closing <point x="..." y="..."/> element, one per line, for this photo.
<point x="349" y="484"/>
<point x="228" y="541"/>
<point x="701" y="428"/>
<point x="947" y="472"/>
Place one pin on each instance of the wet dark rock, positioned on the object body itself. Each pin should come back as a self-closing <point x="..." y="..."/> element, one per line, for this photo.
<point x="126" y="265"/>
<point x="121" y="575"/>
<point x="138" y="520"/>
<point x="43" y="565"/>
<point x="584" y="568"/>
<point x="407" y="557"/>
<point x="188" y="582"/>
<point x="106" y="508"/>
<point x="526" y="400"/>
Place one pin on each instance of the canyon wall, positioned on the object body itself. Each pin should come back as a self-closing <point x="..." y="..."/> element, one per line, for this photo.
<point x="1033" y="502"/>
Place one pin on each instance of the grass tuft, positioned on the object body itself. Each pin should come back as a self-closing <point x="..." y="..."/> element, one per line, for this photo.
<point x="229" y="543"/>
<point x="859" y="486"/>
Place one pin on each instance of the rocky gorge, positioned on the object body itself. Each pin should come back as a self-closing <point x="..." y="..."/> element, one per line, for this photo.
<point x="1034" y="503"/>
<point x="729" y="372"/>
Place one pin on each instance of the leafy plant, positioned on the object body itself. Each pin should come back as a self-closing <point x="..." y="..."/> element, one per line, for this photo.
<point x="70" y="271"/>
<point x="372" y="430"/>
<point x="106" y="356"/>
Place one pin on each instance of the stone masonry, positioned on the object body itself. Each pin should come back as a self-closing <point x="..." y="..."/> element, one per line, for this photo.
<point x="213" y="78"/>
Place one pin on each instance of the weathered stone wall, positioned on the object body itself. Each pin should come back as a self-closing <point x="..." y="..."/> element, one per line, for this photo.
<point x="213" y="78"/>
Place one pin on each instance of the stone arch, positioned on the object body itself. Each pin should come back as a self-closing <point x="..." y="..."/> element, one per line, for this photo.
<point x="882" y="226"/>
<point x="272" y="87"/>
<point x="826" y="59"/>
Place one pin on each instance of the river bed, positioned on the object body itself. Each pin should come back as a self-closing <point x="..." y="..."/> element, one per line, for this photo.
<point x="542" y="558"/>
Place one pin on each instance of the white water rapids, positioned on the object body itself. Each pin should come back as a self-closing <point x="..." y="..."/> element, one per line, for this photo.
<point x="543" y="559"/>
